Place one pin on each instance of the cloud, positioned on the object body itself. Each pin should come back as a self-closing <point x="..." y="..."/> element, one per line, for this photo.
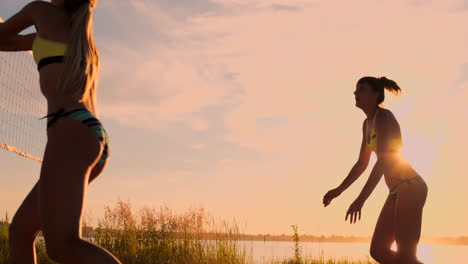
<point x="461" y="81"/>
<point x="271" y="72"/>
<point x="163" y="65"/>
<point x="461" y="5"/>
<point x="290" y="8"/>
<point x="182" y="9"/>
<point x="166" y="62"/>
<point x="159" y="68"/>
<point x="420" y="3"/>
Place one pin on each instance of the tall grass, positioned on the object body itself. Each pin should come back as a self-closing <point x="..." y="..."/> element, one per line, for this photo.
<point x="297" y="248"/>
<point x="4" y="242"/>
<point x="163" y="236"/>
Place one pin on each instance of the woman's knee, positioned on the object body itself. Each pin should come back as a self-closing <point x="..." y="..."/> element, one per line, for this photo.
<point x="60" y="248"/>
<point x="376" y="254"/>
<point x="14" y="235"/>
<point x="379" y="253"/>
<point x="19" y="234"/>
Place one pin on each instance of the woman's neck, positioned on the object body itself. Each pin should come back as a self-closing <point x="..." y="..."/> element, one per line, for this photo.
<point x="370" y="113"/>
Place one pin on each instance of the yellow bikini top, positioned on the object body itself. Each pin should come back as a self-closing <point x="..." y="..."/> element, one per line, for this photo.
<point x="48" y="51"/>
<point x="395" y="143"/>
<point x="373" y="140"/>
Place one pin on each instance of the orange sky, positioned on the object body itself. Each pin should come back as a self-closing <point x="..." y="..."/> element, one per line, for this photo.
<point x="246" y="107"/>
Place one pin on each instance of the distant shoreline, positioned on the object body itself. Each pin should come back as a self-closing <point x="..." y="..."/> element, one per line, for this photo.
<point x="461" y="240"/>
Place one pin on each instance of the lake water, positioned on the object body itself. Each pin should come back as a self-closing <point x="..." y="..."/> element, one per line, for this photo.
<point x="263" y="252"/>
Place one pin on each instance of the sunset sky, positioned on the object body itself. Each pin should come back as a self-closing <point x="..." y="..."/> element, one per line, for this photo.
<point x="246" y="108"/>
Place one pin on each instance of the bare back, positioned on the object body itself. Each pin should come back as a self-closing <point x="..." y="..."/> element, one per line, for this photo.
<point x="397" y="168"/>
<point x="52" y="23"/>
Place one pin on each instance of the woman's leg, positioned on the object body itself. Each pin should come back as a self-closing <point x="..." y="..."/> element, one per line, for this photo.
<point x="25" y="225"/>
<point x="71" y="152"/>
<point x="384" y="234"/>
<point x="408" y="217"/>
<point x="24" y="229"/>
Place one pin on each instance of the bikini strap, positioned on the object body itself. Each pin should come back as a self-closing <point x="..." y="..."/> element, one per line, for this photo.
<point x="369" y="129"/>
<point x="375" y="116"/>
<point x="59" y="112"/>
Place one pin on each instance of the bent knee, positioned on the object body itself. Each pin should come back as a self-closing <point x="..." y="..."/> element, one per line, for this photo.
<point x="13" y="234"/>
<point x="379" y="253"/>
<point x="17" y="233"/>
<point x="13" y="231"/>
<point x="59" y="248"/>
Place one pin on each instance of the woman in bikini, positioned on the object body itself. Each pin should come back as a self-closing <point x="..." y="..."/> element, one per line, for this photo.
<point x="77" y="146"/>
<point x="401" y="216"/>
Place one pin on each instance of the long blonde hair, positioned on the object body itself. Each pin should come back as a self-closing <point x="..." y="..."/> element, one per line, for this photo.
<point x="80" y="76"/>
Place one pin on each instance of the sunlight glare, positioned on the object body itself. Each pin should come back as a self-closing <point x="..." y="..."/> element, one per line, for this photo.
<point x="420" y="151"/>
<point x="425" y="253"/>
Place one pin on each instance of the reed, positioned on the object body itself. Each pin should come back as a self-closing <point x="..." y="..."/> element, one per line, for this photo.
<point x="4" y="242"/>
<point x="162" y="236"/>
<point x="152" y="236"/>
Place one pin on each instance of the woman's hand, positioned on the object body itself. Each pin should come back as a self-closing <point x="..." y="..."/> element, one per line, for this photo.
<point x="332" y="194"/>
<point x="354" y="211"/>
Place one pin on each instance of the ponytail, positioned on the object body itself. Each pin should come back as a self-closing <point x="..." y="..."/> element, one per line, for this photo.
<point x="390" y="85"/>
<point x="380" y="85"/>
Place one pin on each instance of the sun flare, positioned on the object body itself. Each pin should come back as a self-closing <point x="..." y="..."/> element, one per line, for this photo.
<point x="420" y="151"/>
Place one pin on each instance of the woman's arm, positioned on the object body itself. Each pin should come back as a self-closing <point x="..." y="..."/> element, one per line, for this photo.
<point x="20" y="21"/>
<point x="355" y="172"/>
<point x="372" y="181"/>
<point x="388" y="132"/>
<point x="361" y="165"/>
<point x="18" y="43"/>
<point x="354" y="211"/>
<point x="389" y="143"/>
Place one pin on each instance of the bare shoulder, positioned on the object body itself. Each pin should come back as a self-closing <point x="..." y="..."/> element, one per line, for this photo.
<point x="36" y="9"/>
<point x="51" y="21"/>
<point x="37" y="6"/>
<point x="23" y="19"/>
<point x="386" y="118"/>
<point x="385" y="114"/>
<point x="43" y="8"/>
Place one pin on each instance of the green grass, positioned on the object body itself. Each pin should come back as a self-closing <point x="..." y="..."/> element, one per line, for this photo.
<point x="162" y="236"/>
<point x="4" y="244"/>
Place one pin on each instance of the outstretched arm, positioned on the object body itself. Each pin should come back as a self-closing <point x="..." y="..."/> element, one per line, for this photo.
<point x="20" y="21"/>
<point x="387" y="130"/>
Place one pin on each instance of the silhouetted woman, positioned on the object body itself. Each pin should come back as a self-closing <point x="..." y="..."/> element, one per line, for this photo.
<point x="77" y="145"/>
<point x="401" y="216"/>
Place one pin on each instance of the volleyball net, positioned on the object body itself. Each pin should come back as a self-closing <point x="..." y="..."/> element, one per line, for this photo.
<point x="21" y="106"/>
